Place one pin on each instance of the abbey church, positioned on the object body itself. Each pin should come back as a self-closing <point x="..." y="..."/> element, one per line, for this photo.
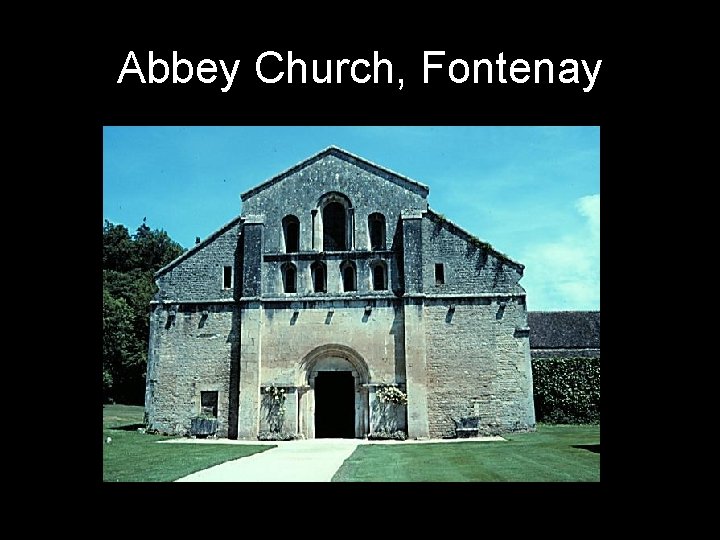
<point x="335" y="283"/>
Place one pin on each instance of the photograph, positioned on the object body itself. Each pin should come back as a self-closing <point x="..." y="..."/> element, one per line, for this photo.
<point x="351" y="303"/>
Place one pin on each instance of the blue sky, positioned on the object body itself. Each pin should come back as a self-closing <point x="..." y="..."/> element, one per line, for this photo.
<point x="532" y="192"/>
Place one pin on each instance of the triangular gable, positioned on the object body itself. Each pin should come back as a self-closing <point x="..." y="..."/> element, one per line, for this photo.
<point x="462" y="233"/>
<point x="392" y="176"/>
<point x="197" y="247"/>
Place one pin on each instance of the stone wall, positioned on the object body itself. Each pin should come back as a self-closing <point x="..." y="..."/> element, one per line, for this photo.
<point x="273" y="286"/>
<point x="477" y="351"/>
<point x="468" y="268"/>
<point x="189" y="355"/>
<point x="287" y="337"/>
<point x="478" y="365"/>
<point x="198" y="274"/>
<point x="299" y="192"/>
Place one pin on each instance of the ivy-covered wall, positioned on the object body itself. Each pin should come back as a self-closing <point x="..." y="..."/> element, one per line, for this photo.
<point x="566" y="390"/>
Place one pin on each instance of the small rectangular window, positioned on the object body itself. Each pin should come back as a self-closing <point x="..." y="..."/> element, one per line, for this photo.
<point x="209" y="404"/>
<point x="227" y="277"/>
<point x="439" y="274"/>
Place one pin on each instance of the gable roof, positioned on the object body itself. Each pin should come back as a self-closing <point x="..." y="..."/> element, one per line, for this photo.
<point x="392" y="176"/>
<point x="197" y="247"/>
<point x="564" y="329"/>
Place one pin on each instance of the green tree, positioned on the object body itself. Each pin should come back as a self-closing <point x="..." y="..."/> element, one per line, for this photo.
<point x="119" y="345"/>
<point x="153" y="249"/>
<point x="117" y="246"/>
<point x="129" y="264"/>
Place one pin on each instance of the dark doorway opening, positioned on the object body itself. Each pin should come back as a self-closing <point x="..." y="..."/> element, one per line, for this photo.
<point x="334" y="405"/>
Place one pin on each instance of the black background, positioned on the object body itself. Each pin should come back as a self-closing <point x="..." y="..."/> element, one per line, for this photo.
<point x="250" y="101"/>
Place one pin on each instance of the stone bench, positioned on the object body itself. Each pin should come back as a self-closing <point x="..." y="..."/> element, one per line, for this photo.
<point x="203" y="427"/>
<point x="467" y="427"/>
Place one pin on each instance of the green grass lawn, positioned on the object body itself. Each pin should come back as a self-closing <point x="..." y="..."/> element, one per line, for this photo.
<point x="547" y="455"/>
<point x="137" y="457"/>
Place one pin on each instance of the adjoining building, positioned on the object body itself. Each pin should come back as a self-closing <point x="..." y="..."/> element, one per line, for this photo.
<point x="336" y="283"/>
<point x="564" y="334"/>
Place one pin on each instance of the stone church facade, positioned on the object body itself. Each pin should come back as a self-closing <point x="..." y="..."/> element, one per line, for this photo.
<point x="338" y="280"/>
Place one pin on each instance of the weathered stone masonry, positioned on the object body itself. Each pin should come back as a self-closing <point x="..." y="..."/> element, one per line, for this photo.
<point x="376" y="288"/>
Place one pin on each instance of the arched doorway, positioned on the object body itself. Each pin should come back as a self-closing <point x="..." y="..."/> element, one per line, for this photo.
<point x="334" y="405"/>
<point x="333" y="397"/>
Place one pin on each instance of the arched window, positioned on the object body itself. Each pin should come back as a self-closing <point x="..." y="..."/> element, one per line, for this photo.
<point x="289" y="277"/>
<point x="347" y="269"/>
<point x="319" y="277"/>
<point x="333" y="223"/>
<point x="379" y="276"/>
<point x="291" y="234"/>
<point x="376" y="228"/>
<point x="334" y="227"/>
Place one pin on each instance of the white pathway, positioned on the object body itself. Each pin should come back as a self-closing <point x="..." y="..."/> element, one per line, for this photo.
<point x="302" y="461"/>
<point x="314" y="460"/>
